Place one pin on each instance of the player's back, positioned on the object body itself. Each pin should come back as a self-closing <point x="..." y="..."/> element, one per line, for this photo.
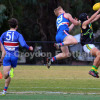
<point x="10" y="41"/>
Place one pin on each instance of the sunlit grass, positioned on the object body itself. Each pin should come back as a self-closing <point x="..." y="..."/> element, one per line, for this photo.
<point x="69" y="79"/>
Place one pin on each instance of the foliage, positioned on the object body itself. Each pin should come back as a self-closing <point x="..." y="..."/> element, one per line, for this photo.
<point x="36" y="17"/>
<point x="2" y="15"/>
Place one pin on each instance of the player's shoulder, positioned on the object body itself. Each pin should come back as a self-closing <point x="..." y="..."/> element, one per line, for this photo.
<point x="4" y="33"/>
<point x="17" y="33"/>
<point x="67" y="15"/>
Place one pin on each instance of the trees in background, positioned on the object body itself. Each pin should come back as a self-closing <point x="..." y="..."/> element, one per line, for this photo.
<point x="37" y="21"/>
<point x="36" y="17"/>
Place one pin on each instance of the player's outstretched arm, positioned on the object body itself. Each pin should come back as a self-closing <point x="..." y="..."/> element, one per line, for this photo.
<point x="68" y="16"/>
<point x="85" y="23"/>
<point x="72" y="25"/>
<point x="3" y="54"/>
<point x="23" y="43"/>
<point x="96" y="18"/>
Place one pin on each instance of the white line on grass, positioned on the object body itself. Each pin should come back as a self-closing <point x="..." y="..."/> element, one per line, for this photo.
<point x="46" y="92"/>
<point x="70" y="78"/>
<point x="57" y="88"/>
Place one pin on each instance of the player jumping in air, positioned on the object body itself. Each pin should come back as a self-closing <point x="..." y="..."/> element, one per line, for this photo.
<point x="11" y="40"/>
<point x="87" y="40"/>
<point x="63" y="38"/>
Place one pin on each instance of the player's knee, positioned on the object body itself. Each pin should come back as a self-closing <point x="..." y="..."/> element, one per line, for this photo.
<point x="75" y="41"/>
<point x="65" y="55"/>
<point x="98" y="54"/>
<point x="99" y="57"/>
<point x="5" y="76"/>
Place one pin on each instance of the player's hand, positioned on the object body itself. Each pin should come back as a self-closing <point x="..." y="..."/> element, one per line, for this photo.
<point x="76" y="18"/>
<point x="98" y="10"/>
<point x="31" y="48"/>
<point x="0" y="62"/>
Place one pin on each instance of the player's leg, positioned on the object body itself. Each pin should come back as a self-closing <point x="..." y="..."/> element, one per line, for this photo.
<point x="13" y="64"/>
<point x="6" y="70"/>
<point x="67" y="40"/>
<point x="70" y="40"/>
<point x="95" y="52"/>
<point x="63" y="55"/>
<point x="7" y="65"/>
<point x="8" y="74"/>
<point x="90" y="48"/>
<point x="60" y="38"/>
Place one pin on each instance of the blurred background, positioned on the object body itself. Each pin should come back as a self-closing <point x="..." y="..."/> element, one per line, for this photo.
<point x="37" y="24"/>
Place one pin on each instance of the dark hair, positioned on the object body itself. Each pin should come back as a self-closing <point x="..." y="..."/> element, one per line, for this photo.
<point x="83" y="17"/>
<point x="13" y="22"/>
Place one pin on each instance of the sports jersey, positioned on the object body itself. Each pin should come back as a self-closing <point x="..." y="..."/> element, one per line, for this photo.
<point x="62" y="23"/>
<point x="11" y="40"/>
<point x="87" y="35"/>
<point x="62" y="28"/>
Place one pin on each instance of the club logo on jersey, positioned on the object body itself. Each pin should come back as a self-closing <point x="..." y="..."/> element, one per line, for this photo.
<point x="59" y="19"/>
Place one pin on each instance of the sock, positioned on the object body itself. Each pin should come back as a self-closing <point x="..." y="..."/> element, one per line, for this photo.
<point x="62" y="44"/>
<point x="53" y="59"/>
<point x="94" y="68"/>
<point x="5" y="88"/>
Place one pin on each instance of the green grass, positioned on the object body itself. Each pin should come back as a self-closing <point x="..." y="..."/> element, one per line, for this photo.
<point x="49" y="97"/>
<point x="58" y="80"/>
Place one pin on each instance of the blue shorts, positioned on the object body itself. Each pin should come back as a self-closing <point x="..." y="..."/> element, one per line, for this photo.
<point x="61" y="35"/>
<point x="10" y="61"/>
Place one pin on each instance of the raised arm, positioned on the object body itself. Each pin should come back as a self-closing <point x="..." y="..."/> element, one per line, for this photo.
<point x="96" y="18"/>
<point x="85" y="23"/>
<point x="72" y="25"/>
<point x="69" y="17"/>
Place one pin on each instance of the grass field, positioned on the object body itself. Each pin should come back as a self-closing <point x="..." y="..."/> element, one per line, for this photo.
<point x="56" y="83"/>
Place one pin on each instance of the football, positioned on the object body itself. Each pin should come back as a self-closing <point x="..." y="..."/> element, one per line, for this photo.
<point x="96" y="6"/>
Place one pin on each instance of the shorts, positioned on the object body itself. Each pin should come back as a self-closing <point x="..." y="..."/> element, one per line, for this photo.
<point x="10" y="61"/>
<point x="87" y="48"/>
<point x="61" y="35"/>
